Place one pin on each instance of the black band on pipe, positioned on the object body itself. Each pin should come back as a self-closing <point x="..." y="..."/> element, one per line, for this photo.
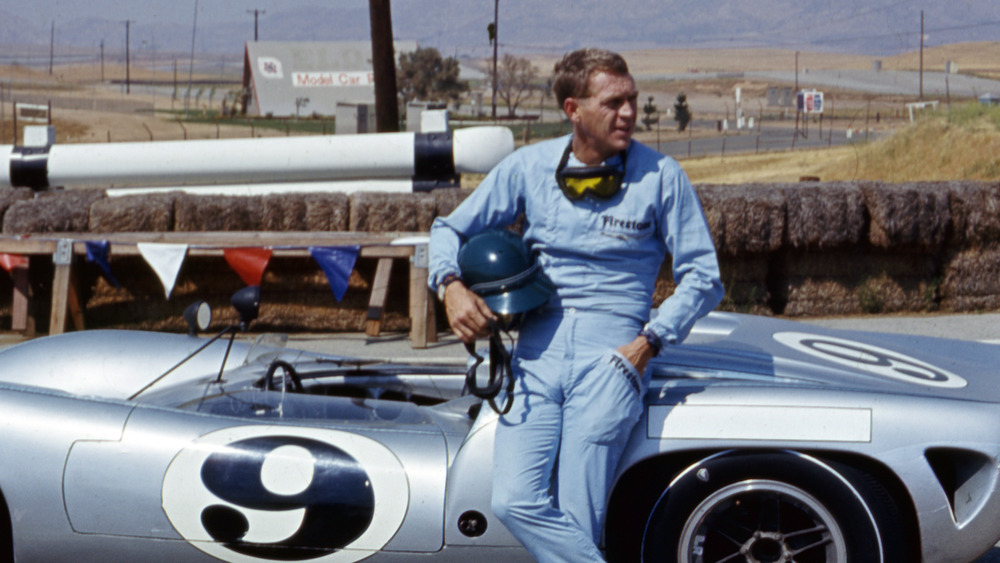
<point x="29" y="167"/>
<point x="433" y="156"/>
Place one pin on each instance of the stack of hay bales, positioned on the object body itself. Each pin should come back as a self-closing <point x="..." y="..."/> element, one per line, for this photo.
<point x="814" y="272"/>
<point x="971" y="277"/>
<point x="809" y="248"/>
<point x="747" y="225"/>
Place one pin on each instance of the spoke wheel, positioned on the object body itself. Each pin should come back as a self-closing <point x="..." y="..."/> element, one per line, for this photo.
<point x="773" y="507"/>
<point x="762" y="521"/>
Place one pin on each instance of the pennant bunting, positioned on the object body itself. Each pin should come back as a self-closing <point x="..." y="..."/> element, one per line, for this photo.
<point x="249" y="263"/>
<point x="166" y="260"/>
<point x="10" y="261"/>
<point x="337" y="262"/>
<point x="97" y="251"/>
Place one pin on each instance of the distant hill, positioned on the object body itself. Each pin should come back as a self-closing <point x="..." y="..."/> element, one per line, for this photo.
<point x="458" y="27"/>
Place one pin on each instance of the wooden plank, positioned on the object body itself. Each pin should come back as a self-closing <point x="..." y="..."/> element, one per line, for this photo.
<point x="423" y="318"/>
<point x="73" y="305"/>
<point x="380" y="291"/>
<point x="62" y="258"/>
<point x="60" y="299"/>
<point x="22" y="319"/>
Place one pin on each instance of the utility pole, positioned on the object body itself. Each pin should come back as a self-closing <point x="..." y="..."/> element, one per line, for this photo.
<point x="128" y="75"/>
<point x="383" y="67"/>
<point x="255" y="14"/>
<point x="921" y="54"/>
<point x="496" y="44"/>
<point x="194" y="34"/>
<point x="102" y="61"/>
<point x="52" y="46"/>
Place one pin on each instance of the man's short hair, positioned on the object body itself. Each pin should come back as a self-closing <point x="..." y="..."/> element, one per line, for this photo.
<point x="572" y="73"/>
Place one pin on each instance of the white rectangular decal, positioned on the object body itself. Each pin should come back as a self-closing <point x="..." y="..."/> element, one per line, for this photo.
<point x="746" y="422"/>
<point x="333" y="79"/>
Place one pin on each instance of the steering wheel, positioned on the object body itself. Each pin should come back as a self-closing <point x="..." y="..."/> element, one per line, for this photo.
<point x="289" y="371"/>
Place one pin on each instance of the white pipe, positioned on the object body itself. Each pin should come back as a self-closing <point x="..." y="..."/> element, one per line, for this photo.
<point x="390" y="185"/>
<point x="235" y="161"/>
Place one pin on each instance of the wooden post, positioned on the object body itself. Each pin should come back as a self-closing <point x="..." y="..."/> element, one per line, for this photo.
<point x="62" y="259"/>
<point x="22" y="319"/>
<point x="423" y="317"/>
<point x="376" y="303"/>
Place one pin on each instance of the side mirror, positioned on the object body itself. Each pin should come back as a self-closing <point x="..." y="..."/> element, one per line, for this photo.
<point x="247" y="304"/>
<point x="198" y="316"/>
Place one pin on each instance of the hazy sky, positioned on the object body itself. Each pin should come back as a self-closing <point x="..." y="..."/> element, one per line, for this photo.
<point x="42" y="12"/>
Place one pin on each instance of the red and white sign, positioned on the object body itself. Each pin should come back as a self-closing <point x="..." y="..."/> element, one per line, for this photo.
<point x="810" y="101"/>
<point x="333" y="79"/>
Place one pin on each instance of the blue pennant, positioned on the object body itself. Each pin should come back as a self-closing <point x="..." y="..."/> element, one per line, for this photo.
<point x="337" y="262"/>
<point x="97" y="251"/>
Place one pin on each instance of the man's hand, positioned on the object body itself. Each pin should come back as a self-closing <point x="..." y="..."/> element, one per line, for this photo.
<point x="468" y="314"/>
<point x="639" y="352"/>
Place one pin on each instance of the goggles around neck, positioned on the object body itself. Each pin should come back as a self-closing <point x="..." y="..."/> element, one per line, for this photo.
<point x="602" y="182"/>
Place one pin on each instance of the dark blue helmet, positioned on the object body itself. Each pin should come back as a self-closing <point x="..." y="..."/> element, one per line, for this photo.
<point x="497" y="265"/>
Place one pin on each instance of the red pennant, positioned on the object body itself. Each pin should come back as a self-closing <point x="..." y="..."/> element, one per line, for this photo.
<point x="10" y="261"/>
<point x="249" y="263"/>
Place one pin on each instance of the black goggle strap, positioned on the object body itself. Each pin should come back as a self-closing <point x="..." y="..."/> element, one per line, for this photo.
<point x="500" y="370"/>
<point x="600" y="181"/>
<point x="506" y="283"/>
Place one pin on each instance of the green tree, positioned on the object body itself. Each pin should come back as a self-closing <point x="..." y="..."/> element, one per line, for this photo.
<point x="515" y="76"/>
<point x="425" y="75"/>
<point x="682" y="114"/>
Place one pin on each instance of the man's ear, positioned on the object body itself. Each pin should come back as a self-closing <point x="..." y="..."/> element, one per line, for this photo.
<point x="570" y="106"/>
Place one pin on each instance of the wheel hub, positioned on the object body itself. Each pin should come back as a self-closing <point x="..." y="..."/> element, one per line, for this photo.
<point x="766" y="547"/>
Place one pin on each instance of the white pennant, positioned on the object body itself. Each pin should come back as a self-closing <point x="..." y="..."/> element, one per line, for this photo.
<point x="166" y="260"/>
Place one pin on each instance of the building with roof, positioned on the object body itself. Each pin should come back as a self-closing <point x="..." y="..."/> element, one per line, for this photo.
<point x="305" y="78"/>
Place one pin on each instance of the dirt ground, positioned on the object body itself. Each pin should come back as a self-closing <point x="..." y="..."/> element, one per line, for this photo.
<point x="710" y="99"/>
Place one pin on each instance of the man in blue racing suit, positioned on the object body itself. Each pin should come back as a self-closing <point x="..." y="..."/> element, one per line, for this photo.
<point x="601" y="213"/>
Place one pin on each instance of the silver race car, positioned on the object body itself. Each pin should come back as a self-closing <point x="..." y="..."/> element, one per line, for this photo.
<point x="762" y="440"/>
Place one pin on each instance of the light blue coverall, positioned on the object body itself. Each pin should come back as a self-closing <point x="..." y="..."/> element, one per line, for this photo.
<point x="576" y="398"/>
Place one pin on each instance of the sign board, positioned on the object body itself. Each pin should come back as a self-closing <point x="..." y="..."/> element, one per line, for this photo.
<point x="810" y="101"/>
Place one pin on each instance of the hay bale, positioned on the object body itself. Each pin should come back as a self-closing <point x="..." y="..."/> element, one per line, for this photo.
<point x="134" y="213"/>
<point x="851" y="282"/>
<point x="388" y="212"/>
<point x="971" y="280"/>
<point x="975" y="213"/>
<point x="10" y="196"/>
<point x="745" y="279"/>
<point x="748" y="218"/>
<point x="327" y="212"/>
<point x="56" y="211"/>
<point x="824" y="216"/>
<point x="447" y="199"/>
<point x="912" y="214"/>
<point x="283" y="212"/>
<point x="193" y="213"/>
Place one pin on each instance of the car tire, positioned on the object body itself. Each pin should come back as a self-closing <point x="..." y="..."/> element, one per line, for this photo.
<point x="773" y="507"/>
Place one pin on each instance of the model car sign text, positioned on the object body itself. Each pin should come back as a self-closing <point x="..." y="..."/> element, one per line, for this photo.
<point x="866" y="357"/>
<point x="257" y="493"/>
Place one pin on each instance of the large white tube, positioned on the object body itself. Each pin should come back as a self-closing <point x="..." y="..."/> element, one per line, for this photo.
<point x="279" y="159"/>
<point x="388" y="185"/>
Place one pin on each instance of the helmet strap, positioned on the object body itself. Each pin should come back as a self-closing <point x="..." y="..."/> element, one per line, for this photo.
<point x="500" y="370"/>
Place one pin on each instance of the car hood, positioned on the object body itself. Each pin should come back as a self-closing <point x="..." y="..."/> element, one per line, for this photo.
<point x="114" y="364"/>
<point x="728" y="346"/>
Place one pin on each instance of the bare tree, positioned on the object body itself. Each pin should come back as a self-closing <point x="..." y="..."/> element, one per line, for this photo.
<point x="515" y="76"/>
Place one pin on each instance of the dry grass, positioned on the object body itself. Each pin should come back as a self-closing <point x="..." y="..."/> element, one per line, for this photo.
<point x="961" y="145"/>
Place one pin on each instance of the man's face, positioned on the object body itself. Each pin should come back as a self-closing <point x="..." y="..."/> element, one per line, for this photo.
<point x="604" y="120"/>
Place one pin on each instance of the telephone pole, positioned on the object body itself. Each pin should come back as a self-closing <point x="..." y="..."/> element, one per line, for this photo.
<point x="383" y="66"/>
<point x="921" y="54"/>
<point x="496" y="44"/>
<point x="255" y="13"/>
<point x="128" y="75"/>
